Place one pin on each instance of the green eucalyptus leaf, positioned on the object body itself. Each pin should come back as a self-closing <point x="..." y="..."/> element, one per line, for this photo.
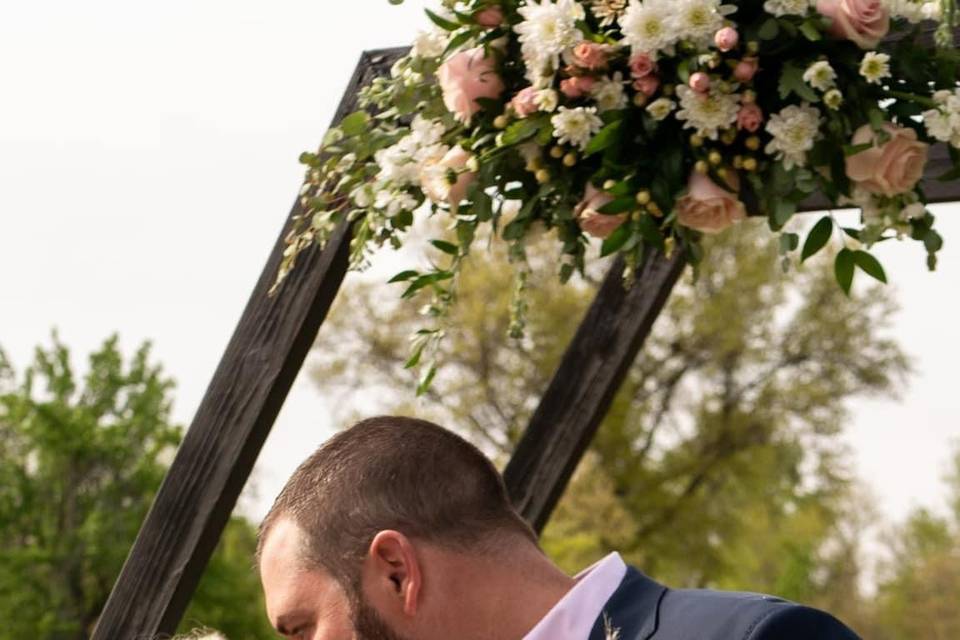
<point x="606" y="137"/>
<point x="355" y="123"/>
<point x="843" y="268"/>
<point x="817" y="238"/>
<point x="443" y="23"/>
<point x="616" y="240"/>
<point x="446" y="247"/>
<point x="870" y="265"/>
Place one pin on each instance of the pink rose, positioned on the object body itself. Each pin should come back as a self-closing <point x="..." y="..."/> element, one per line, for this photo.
<point x="891" y="168"/>
<point x="647" y="85"/>
<point x="490" y="17"/>
<point x="642" y="65"/>
<point x="436" y="173"/>
<point x="750" y="117"/>
<point x="596" y="224"/>
<point x="590" y="55"/>
<point x="865" y="22"/>
<point x="707" y="207"/>
<point x="726" y="39"/>
<point x="525" y="102"/>
<point x="746" y="69"/>
<point x="577" y="86"/>
<point x="700" y="82"/>
<point x="466" y="76"/>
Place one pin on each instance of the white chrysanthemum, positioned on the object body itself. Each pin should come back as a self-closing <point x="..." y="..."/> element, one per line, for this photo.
<point x="707" y="113"/>
<point x="833" y="99"/>
<point x="787" y="7"/>
<point x="875" y="66"/>
<point x="576" y="126"/>
<point x="794" y="130"/>
<point x="648" y="26"/>
<point x="609" y="94"/>
<point x="697" y="20"/>
<point x="661" y="108"/>
<point x="430" y="44"/>
<point x="820" y="75"/>
<point x="547" y="30"/>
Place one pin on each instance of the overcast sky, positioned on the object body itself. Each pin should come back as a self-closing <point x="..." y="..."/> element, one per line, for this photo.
<point x="148" y="158"/>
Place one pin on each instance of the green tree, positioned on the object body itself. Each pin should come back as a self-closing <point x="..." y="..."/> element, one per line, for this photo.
<point x="919" y="592"/>
<point x="719" y="463"/>
<point x="80" y="460"/>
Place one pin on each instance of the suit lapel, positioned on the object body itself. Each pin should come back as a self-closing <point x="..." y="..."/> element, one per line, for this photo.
<point x="632" y="609"/>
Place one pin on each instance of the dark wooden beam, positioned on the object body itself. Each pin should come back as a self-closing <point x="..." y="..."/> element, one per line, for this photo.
<point x="589" y="375"/>
<point x="240" y="405"/>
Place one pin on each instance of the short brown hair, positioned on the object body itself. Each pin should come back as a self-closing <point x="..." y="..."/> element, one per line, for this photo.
<point x="392" y="473"/>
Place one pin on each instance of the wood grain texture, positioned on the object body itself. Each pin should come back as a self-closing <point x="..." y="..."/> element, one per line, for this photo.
<point x="588" y="377"/>
<point x="241" y="403"/>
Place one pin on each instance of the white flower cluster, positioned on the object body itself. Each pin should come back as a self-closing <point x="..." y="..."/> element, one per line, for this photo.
<point x="914" y="11"/>
<point x="652" y="26"/>
<point x="576" y="126"/>
<point x="707" y="113"/>
<point x="943" y="122"/>
<point x="794" y="130"/>
<point x="787" y="7"/>
<point x="430" y="44"/>
<point x="401" y="166"/>
<point x="547" y="30"/>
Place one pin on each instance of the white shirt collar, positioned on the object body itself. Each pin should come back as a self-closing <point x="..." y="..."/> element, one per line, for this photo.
<point x="572" y="618"/>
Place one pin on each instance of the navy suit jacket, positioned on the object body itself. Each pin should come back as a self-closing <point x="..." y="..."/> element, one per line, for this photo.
<point x="641" y="609"/>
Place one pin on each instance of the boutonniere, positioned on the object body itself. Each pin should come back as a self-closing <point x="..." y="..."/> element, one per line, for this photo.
<point x="610" y="632"/>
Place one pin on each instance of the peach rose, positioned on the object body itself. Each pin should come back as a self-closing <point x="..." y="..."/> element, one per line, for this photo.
<point x="865" y="22"/>
<point x="590" y="55"/>
<point x="708" y="207"/>
<point x="699" y="82"/>
<point x="891" y="168"/>
<point x="750" y="117"/>
<point x="525" y="102"/>
<point x="746" y="69"/>
<point x="726" y="39"/>
<point x="594" y="223"/>
<point x="435" y="177"/>
<point x="490" y="17"/>
<point x="647" y="85"/>
<point x="466" y="76"/>
<point x="577" y="86"/>
<point x="642" y="65"/>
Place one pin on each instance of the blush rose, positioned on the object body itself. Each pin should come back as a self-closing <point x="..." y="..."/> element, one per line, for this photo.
<point x="865" y="22"/>
<point x="891" y="168"/>
<point x="465" y="77"/>
<point x="750" y="117"/>
<point x="707" y="206"/>
<point x="490" y="17"/>
<point x="594" y="223"/>
<point x="590" y="55"/>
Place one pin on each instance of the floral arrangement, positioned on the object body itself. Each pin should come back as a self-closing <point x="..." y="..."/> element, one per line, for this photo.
<point x="644" y="124"/>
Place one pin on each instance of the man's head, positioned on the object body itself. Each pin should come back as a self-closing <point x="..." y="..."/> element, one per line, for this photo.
<point x="373" y="532"/>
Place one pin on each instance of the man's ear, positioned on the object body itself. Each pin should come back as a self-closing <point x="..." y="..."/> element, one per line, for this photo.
<point x="394" y="570"/>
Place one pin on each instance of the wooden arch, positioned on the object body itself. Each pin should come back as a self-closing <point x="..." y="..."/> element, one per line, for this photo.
<point x="268" y="348"/>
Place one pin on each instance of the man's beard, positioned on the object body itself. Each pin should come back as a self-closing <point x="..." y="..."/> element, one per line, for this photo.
<point x="368" y="624"/>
